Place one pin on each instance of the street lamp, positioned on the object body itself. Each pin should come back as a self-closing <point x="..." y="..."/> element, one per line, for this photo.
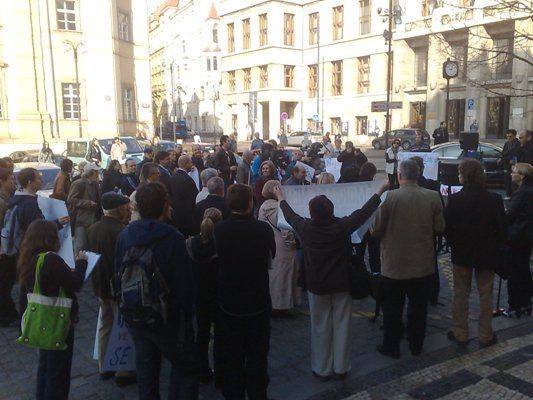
<point x="215" y="97"/>
<point x="75" y="48"/>
<point x="173" y="100"/>
<point x="389" y="14"/>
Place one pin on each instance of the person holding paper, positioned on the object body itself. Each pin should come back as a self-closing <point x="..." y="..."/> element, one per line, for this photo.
<point x="327" y="249"/>
<point x="391" y="166"/>
<point x="101" y="238"/>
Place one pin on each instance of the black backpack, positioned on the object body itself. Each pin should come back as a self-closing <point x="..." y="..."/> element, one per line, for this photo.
<point x="141" y="289"/>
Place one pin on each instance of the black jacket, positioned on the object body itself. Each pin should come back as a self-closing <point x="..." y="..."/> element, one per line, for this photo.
<point x="519" y="216"/>
<point x="440" y="135"/>
<point x="102" y="238"/>
<point x="525" y="153"/>
<point x="475" y="228"/>
<point x="129" y="184"/>
<point x="245" y="248"/>
<point x="183" y="193"/>
<point x="95" y="155"/>
<point x="510" y="150"/>
<point x="327" y="249"/>
<point x="111" y="181"/>
<point x="350" y="160"/>
<point x="205" y="268"/>
<point x="224" y="160"/>
<point x="165" y="177"/>
<point x="210" y="201"/>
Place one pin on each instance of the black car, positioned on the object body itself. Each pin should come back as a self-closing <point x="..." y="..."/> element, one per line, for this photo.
<point x="450" y="153"/>
<point x="406" y="135"/>
<point x="166" y="131"/>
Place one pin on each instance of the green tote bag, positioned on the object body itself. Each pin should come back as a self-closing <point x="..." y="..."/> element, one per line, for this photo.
<point x="46" y="321"/>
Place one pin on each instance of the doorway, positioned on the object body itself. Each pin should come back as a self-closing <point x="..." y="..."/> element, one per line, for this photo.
<point x="497" y="116"/>
<point x="456" y="123"/>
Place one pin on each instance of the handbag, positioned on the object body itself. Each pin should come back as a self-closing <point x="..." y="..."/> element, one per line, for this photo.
<point x="46" y="321"/>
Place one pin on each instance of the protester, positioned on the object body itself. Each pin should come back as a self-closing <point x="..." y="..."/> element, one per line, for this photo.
<point x="475" y="231"/>
<point x="205" y="176"/>
<point x="46" y="155"/>
<point x="183" y="193"/>
<point x="232" y="143"/>
<point x="525" y="152"/>
<point x="338" y="148"/>
<point x="7" y="162"/>
<point x="391" y="166"/>
<point x="245" y="248"/>
<point x="298" y="177"/>
<point x="156" y="145"/>
<point x="53" y="371"/>
<point x="209" y="159"/>
<point x="8" y="311"/>
<point x="173" y="163"/>
<point x="440" y="135"/>
<point x="326" y="246"/>
<point x="350" y="175"/>
<point x="268" y="173"/>
<point x="325" y="178"/>
<point x="62" y="181"/>
<point x="118" y="150"/>
<point x="197" y="159"/>
<point x="179" y="151"/>
<point x="112" y="177"/>
<point x="406" y="224"/>
<point x="283" y="139"/>
<point x="162" y="159"/>
<point x="419" y="145"/>
<point x="101" y="239"/>
<point x="257" y="142"/>
<point x="280" y="158"/>
<point x="215" y="199"/>
<point x="95" y="154"/>
<point x="519" y="218"/>
<point x="244" y="170"/>
<point x="149" y="173"/>
<point x="368" y="172"/>
<point x="129" y="181"/>
<point x="313" y="159"/>
<point x="351" y="157"/>
<point x="509" y="156"/>
<point x="84" y="200"/>
<point x="225" y="161"/>
<point x="205" y="263"/>
<point x="297" y="155"/>
<point x="327" y="147"/>
<point x="148" y="158"/>
<point x="283" y="272"/>
<point x="168" y="334"/>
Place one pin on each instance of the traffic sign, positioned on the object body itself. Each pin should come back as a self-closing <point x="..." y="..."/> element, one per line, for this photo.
<point x="284" y="115"/>
<point x="470" y="104"/>
<point x="315" y="117"/>
<point x="381" y="106"/>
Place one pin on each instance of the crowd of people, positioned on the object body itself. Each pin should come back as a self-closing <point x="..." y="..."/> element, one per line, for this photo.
<point x="181" y="257"/>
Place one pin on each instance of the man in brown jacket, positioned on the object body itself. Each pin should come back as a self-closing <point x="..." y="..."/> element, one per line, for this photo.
<point x="406" y="224"/>
<point x="62" y="182"/>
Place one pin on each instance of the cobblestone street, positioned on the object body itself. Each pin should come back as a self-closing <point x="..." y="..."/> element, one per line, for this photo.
<point x="504" y="371"/>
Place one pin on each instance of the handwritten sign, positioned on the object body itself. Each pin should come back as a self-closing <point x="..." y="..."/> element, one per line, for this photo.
<point x="333" y="167"/>
<point x="120" y="353"/>
<point x="431" y="162"/>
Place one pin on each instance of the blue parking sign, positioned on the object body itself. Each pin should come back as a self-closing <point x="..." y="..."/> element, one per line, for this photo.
<point x="470" y="104"/>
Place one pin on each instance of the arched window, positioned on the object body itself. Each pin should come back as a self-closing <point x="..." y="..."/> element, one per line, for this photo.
<point x="208" y="64"/>
<point x="215" y="34"/>
<point x="215" y="64"/>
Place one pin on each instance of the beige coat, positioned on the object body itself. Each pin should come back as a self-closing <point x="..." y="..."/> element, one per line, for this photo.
<point x="406" y="224"/>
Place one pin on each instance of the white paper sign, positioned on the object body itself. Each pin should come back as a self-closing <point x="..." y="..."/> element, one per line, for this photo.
<point x="346" y="197"/>
<point x="120" y="353"/>
<point x="333" y="167"/>
<point x="431" y="162"/>
<point x="53" y="209"/>
<point x="310" y="170"/>
<point x="92" y="259"/>
<point x="453" y="189"/>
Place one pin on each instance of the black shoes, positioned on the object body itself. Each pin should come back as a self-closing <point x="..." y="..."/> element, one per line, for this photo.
<point x="125" y="380"/>
<point x="381" y="350"/>
<point x="321" y="378"/>
<point x="451" y="336"/>
<point x="340" y="377"/>
<point x="107" y="375"/>
<point x="492" y="342"/>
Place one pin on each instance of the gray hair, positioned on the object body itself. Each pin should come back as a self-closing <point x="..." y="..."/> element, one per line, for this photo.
<point x="113" y="213"/>
<point x="207" y="174"/>
<point x="215" y="185"/>
<point x="409" y="170"/>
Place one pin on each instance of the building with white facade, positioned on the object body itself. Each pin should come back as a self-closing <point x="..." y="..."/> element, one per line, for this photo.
<point x="39" y="96"/>
<point x="185" y="64"/>
<point x="327" y="61"/>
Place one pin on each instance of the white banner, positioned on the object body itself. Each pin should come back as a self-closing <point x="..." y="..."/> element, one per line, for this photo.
<point x="431" y="162"/>
<point x="333" y="167"/>
<point x="346" y="197"/>
<point x="53" y="209"/>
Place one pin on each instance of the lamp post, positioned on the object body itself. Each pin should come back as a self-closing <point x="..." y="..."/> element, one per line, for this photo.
<point x="389" y="14"/>
<point x="75" y="48"/>
<point x="172" y="94"/>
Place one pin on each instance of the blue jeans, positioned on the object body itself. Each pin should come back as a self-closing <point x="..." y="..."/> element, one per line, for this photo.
<point x="53" y="374"/>
<point x="153" y="344"/>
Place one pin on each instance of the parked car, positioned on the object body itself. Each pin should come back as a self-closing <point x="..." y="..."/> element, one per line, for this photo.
<point x="406" y="135"/>
<point x="78" y="149"/>
<point x="296" y="138"/>
<point x="48" y="172"/>
<point x="22" y="156"/>
<point x="451" y="153"/>
<point x="165" y="132"/>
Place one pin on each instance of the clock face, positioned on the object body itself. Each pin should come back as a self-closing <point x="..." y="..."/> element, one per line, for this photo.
<point x="451" y="69"/>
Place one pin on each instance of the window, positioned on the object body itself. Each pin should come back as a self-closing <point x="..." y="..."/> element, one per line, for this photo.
<point x="66" y="15"/>
<point x="246" y="33"/>
<point x="421" y="64"/>
<point x="417" y="114"/>
<point x="361" y="127"/>
<point x="289" y="30"/>
<point x="363" y="74"/>
<point x="204" y="123"/>
<point x="289" y="76"/>
<point x="336" y="81"/>
<point x="71" y="102"/>
<point x="263" y="30"/>
<point x="128" y="104"/>
<point x="208" y="60"/>
<point x="502" y="58"/>
<point x="312" y="90"/>
<point x="202" y="93"/>
<point x="313" y="28"/>
<point x="459" y="53"/>
<point x="364" y="16"/>
<point x="234" y="123"/>
<point x="183" y="48"/>
<point x="338" y="15"/>
<point x="215" y="34"/>
<point x="263" y="76"/>
<point x="231" y="38"/>
<point x="215" y="63"/>
<point x="231" y="81"/>
<point x="247" y="78"/>
<point x="124" y="26"/>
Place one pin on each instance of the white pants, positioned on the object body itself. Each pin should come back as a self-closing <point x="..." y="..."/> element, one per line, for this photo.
<point x="330" y="332"/>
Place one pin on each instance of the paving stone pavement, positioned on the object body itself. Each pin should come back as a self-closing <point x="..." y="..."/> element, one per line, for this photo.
<point x="501" y="372"/>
